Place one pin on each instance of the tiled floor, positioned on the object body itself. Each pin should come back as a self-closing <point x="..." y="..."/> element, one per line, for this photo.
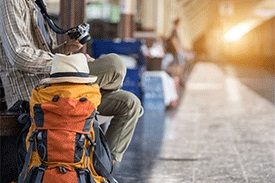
<point x="222" y="131"/>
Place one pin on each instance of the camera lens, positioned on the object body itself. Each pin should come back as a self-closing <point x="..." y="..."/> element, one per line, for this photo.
<point x="85" y="39"/>
<point x="80" y="33"/>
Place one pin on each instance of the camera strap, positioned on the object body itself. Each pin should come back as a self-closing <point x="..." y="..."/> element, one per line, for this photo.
<point x="52" y="25"/>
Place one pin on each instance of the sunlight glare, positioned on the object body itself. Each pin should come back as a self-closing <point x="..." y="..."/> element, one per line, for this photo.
<point x="235" y="33"/>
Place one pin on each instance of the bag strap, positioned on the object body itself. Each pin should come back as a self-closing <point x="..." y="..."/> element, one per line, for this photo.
<point x="105" y="172"/>
<point x="99" y="135"/>
<point x="53" y="26"/>
<point x="25" y="120"/>
<point x="28" y="157"/>
<point x="82" y="176"/>
<point x="40" y="173"/>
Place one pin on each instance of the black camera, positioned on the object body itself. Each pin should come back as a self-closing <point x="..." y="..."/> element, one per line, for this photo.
<point x="80" y="33"/>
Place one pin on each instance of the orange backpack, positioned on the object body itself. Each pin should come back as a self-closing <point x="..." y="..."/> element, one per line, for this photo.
<point x="65" y="143"/>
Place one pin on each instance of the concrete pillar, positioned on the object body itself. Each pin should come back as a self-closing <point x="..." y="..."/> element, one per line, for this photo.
<point x="168" y="19"/>
<point x="127" y="15"/>
<point x="149" y="10"/>
<point x="160" y="18"/>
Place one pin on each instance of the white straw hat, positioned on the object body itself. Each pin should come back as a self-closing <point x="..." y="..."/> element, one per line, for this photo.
<point x="69" y="68"/>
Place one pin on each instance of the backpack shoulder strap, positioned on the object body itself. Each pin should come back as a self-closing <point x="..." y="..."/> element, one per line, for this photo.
<point x="105" y="172"/>
<point x="28" y="157"/>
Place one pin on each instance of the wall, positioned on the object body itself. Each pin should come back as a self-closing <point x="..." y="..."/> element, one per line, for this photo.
<point x="256" y="47"/>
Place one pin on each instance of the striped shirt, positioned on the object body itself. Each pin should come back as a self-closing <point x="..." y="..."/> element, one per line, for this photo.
<point x="25" y="56"/>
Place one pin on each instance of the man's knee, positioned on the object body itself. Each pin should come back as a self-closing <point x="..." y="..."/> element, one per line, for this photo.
<point x="110" y="70"/>
<point x="115" y="63"/>
<point x="135" y="105"/>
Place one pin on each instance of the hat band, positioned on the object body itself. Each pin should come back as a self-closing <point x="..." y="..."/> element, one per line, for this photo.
<point x="69" y="74"/>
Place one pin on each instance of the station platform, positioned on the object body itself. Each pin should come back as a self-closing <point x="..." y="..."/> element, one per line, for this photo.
<point x="222" y="131"/>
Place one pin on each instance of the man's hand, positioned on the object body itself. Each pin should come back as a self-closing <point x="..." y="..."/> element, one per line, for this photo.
<point x="89" y="58"/>
<point x="72" y="46"/>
